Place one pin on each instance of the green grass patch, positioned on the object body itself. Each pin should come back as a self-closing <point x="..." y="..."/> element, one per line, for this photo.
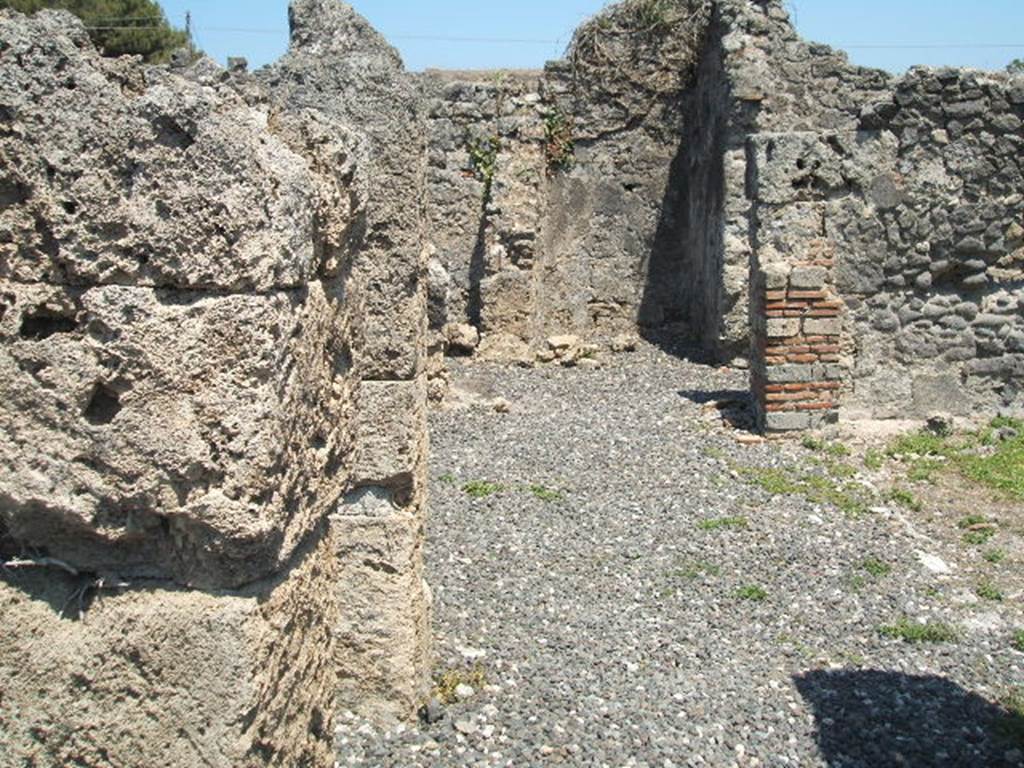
<point x="914" y="632"/>
<point x="723" y="523"/>
<point x="876" y="567"/>
<point x="447" y="478"/>
<point x="546" y="494"/>
<point x="919" y="444"/>
<point x="816" y="487"/>
<point x="1017" y="641"/>
<point x="995" y="556"/>
<point x="905" y="499"/>
<point x="1002" y="470"/>
<point x="873" y="459"/>
<point x="988" y="591"/>
<point x="835" y="450"/>
<point x="752" y="592"/>
<point x="688" y="572"/>
<point x="979" y="456"/>
<point x="480" y="489"/>
<point x="977" y="529"/>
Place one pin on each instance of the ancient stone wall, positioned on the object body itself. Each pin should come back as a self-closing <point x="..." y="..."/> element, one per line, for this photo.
<point x="906" y="192"/>
<point x="215" y="291"/>
<point x="211" y="478"/>
<point x="553" y="197"/>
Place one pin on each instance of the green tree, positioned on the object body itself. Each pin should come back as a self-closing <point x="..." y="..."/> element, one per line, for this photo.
<point x="1016" y="67"/>
<point x="118" y="27"/>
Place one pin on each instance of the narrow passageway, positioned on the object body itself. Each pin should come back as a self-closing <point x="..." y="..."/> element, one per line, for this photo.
<point x="617" y="584"/>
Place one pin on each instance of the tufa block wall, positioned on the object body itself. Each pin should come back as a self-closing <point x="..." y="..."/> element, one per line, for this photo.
<point x="212" y="325"/>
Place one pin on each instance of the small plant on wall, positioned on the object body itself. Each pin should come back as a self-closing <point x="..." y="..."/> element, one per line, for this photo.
<point x="559" y="148"/>
<point x="483" y="158"/>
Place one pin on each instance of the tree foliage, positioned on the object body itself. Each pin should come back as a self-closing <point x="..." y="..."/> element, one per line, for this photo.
<point x="1016" y="67"/>
<point x="118" y="27"/>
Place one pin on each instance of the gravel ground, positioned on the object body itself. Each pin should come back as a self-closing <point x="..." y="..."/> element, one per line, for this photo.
<point x="614" y="626"/>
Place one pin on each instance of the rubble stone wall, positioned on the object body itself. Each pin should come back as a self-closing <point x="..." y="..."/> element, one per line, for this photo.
<point x="575" y="224"/>
<point x="908" y="191"/>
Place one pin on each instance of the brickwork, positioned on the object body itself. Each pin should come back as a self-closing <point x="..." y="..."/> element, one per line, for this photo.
<point x="797" y="375"/>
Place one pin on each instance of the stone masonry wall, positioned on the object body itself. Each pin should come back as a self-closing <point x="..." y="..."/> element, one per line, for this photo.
<point x="215" y="291"/>
<point x="909" y="189"/>
<point x="212" y="321"/>
<point x="575" y="224"/>
<point x="338" y="64"/>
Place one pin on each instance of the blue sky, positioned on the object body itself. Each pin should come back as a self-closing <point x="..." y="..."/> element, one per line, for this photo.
<point x="525" y="33"/>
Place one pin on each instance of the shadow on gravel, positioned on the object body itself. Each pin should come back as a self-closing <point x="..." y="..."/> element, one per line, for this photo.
<point x="734" y="405"/>
<point x="874" y="718"/>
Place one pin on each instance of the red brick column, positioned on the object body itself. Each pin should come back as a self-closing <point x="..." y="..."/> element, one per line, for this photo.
<point x="796" y="375"/>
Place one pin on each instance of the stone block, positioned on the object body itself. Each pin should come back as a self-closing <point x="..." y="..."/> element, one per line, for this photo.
<point x="795" y="166"/>
<point x="507" y="303"/>
<point x="939" y="392"/>
<point x="822" y="326"/>
<point x="167" y="182"/>
<point x="789" y="373"/>
<point x="783" y="327"/>
<point x="389" y="433"/>
<point x="776" y="275"/>
<point x="157" y="675"/>
<point x="382" y="636"/>
<point x="181" y="435"/>
<point x="808" y="278"/>
<point x="787" y="421"/>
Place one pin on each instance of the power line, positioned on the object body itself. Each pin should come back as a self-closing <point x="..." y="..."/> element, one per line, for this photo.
<point x="937" y="45"/>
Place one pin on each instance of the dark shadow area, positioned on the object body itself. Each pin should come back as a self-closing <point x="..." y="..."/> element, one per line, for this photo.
<point x="684" y="286"/>
<point x="662" y="316"/>
<point x="735" y="406"/>
<point x="477" y="272"/>
<point x="872" y="718"/>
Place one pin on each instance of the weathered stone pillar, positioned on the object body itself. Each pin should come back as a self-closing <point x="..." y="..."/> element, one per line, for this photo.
<point x="796" y="375"/>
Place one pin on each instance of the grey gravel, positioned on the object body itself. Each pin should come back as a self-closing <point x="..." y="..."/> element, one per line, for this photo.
<point x="609" y="623"/>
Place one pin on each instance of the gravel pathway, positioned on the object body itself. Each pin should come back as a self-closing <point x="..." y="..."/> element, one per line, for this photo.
<point x="628" y="597"/>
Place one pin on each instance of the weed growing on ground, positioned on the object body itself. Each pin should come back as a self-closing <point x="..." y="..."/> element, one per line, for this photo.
<point x="447" y="681"/>
<point x="873" y="459"/>
<point x="1003" y="468"/>
<point x="546" y="494"/>
<point x="913" y="632"/>
<point x="995" y="555"/>
<point x="723" y="523"/>
<point x="905" y="499"/>
<point x="696" y="570"/>
<point x="819" y="488"/>
<point x="1017" y="641"/>
<point x="988" y="591"/>
<point x="977" y="529"/>
<point x="691" y="571"/>
<point x="835" y="450"/>
<point x="980" y="456"/>
<point x="752" y="592"/>
<point x="447" y="478"/>
<point x="480" y="489"/>
<point x="876" y="567"/>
